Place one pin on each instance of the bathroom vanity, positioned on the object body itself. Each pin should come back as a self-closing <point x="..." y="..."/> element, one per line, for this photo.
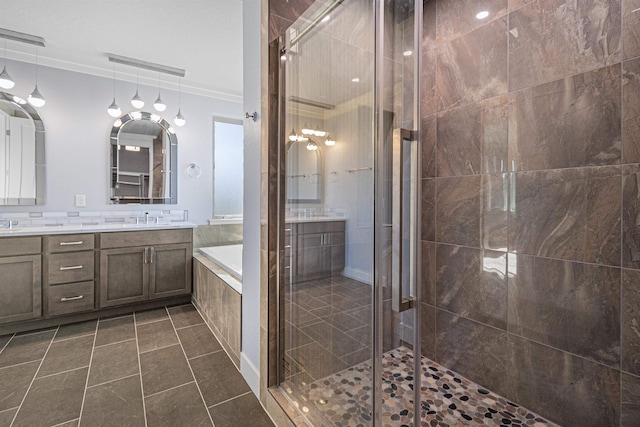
<point x="314" y="248"/>
<point x="52" y="277"/>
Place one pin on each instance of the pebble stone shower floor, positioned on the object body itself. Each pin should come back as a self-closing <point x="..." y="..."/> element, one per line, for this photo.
<point x="448" y="399"/>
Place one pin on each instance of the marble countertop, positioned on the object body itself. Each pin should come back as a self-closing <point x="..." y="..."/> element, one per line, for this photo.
<point x="99" y="228"/>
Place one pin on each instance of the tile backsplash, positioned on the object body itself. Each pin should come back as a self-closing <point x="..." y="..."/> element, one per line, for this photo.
<point x="39" y="219"/>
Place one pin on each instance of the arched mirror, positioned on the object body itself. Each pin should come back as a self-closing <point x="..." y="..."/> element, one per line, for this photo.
<point x="304" y="180"/>
<point x="21" y="153"/>
<point x="144" y="158"/>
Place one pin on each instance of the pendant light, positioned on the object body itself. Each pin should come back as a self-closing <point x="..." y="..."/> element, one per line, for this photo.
<point x="114" y="109"/>
<point x="159" y="105"/>
<point x="36" y="99"/>
<point x="137" y="101"/>
<point x="179" y="120"/>
<point x="6" y="82"/>
<point x="330" y="142"/>
<point x="293" y="136"/>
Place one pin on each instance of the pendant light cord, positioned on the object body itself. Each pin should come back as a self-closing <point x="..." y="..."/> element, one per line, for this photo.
<point x="36" y="65"/>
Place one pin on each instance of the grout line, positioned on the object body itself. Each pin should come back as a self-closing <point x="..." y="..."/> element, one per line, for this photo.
<point x="34" y="377"/>
<point x="190" y="326"/>
<point x="144" y="407"/>
<point x="73" y="338"/>
<point x="151" y="321"/>
<point x="63" y="372"/>
<point x="228" y="400"/>
<point x="159" y="348"/>
<point x="169" y="389"/>
<point x="114" y="343"/>
<point x="10" y="409"/>
<point x="61" y="424"/>
<point x="204" y="402"/>
<point x="112" y="381"/>
<point x="84" y="394"/>
<point x="5" y="346"/>
<point x="206" y="354"/>
<point x="20" y="364"/>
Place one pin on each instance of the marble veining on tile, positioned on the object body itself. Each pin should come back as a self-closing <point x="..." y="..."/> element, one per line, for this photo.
<point x="550" y="39"/>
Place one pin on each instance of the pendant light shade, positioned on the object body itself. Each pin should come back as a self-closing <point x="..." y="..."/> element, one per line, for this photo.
<point x="137" y="101"/>
<point x="330" y="142"/>
<point x="6" y="82"/>
<point x="159" y="105"/>
<point x="293" y="135"/>
<point x="179" y="120"/>
<point x="114" y="109"/>
<point x="36" y="99"/>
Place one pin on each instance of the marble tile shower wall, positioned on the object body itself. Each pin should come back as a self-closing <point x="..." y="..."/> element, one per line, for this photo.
<point x="531" y="202"/>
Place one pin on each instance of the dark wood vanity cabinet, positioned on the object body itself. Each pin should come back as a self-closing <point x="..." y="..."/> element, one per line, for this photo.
<point x="318" y="249"/>
<point x="69" y="274"/>
<point x="20" y="279"/>
<point x="137" y="266"/>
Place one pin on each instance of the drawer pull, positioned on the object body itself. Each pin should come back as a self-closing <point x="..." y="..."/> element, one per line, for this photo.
<point x="73" y="267"/>
<point x="287" y="267"/>
<point x="79" y="242"/>
<point x="77" y="297"/>
<point x="287" y="246"/>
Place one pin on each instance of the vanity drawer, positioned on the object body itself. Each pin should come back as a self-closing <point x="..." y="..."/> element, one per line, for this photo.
<point x="73" y="267"/>
<point x="14" y="246"/>
<point x="145" y="238"/>
<point x="71" y="298"/>
<point x="69" y="243"/>
<point x="321" y="227"/>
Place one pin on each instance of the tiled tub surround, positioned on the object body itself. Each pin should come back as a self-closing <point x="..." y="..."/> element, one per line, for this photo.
<point x="218" y="296"/>
<point x="217" y="235"/>
<point x="160" y="367"/>
<point x="531" y="255"/>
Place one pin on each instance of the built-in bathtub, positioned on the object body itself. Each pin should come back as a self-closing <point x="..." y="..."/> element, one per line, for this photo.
<point x="217" y="293"/>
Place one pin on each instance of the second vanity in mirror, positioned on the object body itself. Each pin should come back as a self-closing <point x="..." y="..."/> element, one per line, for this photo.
<point x="144" y="158"/>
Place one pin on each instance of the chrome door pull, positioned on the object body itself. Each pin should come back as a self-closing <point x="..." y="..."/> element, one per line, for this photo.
<point x="151" y="255"/>
<point x="73" y="267"/>
<point x="65" y="299"/>
<point x="400" y="302"/>
<point x="79" y="242"/>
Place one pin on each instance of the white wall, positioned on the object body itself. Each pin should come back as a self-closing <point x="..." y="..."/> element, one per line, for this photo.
<point x="77" y="138"/>
<point x="252" y="54"/>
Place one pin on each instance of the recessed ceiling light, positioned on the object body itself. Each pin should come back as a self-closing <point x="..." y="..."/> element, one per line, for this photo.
<point x="355" y="80"/>
<point x="482" y="15"/>
<point x="407" y="53"/>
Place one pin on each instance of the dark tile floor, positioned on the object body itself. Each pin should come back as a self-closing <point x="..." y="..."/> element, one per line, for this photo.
<point x="327" y="328"/>
<point x="156" y="368"/>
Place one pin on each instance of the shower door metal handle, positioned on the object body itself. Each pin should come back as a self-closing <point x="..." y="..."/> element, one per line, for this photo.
<point x="401" y="138"/>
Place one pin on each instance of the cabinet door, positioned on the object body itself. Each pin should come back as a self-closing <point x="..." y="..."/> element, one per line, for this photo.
<point x="20" y="288"/>
<point x="170" y="267"/>
<point x="312" y="257"/>
<point x="337" y="262"/>
<point x="124" y="276"/>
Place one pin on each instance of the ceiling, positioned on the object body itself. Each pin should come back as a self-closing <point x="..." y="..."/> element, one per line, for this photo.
<point x="204" y="37"/>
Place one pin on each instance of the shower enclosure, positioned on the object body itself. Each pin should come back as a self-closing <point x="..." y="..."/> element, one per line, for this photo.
<point x="450" y="247"/>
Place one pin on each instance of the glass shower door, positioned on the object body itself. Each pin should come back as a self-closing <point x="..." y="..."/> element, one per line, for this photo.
<point x="348" y="213"/>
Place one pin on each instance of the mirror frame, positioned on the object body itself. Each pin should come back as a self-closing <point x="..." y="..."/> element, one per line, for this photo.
<point x="40" y="155"/>
<point x="172" y="150"/>
<point x="320" y="187"/>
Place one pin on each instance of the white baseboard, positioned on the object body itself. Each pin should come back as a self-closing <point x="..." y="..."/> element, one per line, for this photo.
<point x="250" y="374"/>
<point x="359" y="275"/>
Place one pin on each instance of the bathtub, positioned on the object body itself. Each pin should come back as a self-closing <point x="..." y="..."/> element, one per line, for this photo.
<point x="217" y="294"/>
<point x="229" y="258"/>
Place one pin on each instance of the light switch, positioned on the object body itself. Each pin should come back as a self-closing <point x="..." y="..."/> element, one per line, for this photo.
<point x="81" y="200"/>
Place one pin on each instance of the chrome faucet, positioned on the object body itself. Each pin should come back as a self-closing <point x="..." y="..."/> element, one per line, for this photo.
<point x="10" y="223"/>
<point x="146" y="217"/>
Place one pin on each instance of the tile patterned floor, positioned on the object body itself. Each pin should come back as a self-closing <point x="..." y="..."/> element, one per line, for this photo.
<point x="448" y="400"/>
<point x="156" y="368"/>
